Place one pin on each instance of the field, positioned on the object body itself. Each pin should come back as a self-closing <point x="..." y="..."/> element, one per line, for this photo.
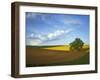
<point x="59" y="48"/>
<point x="55" y="55"/>
<point x="63" y="47"/>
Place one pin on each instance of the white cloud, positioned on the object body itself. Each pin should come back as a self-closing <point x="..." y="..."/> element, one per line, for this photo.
<point x="58" y="33"/>
<point x="50" y="35"/>
<point x="31" y="15"/>
<point x="71" y="21"/>
<point x="41" y="37"/>
<point x="55" y="34"/>
<point x="33" y="42"/>
<point x="45" y="18"/>
<point x="36" y="39"/>
<point x="32" y="35"/>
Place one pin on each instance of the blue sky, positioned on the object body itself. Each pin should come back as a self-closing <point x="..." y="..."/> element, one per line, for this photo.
<point x="55" y="29"/>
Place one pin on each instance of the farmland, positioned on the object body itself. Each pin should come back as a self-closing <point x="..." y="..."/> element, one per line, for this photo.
<point x="55" y="55"/>
<point x="62" y="47"/>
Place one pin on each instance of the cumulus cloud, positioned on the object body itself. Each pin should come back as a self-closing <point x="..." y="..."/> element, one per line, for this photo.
<point x="57" y="33"/>
<point x="36" y="39"/>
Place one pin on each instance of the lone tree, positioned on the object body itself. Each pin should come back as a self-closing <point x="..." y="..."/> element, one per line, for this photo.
<point x="77" y="44"/>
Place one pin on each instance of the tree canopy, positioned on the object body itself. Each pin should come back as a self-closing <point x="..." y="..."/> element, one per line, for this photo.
<point x="77" y="44"/>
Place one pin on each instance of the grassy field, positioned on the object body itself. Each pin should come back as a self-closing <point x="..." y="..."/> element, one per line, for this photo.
<point x="62" y="47"/>
<point x="55" y="55"/>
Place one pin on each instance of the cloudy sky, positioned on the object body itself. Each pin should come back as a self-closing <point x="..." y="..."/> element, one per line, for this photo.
<point x="55" y="29"/>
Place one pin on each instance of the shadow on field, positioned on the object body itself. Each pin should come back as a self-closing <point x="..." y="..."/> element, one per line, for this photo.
<point x="44" y="57"/>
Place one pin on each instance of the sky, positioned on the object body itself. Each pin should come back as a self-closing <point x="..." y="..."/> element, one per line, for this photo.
<point x="55" y="29"/>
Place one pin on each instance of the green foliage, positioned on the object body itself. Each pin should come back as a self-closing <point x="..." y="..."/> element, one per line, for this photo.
<point x="77" y="44"/>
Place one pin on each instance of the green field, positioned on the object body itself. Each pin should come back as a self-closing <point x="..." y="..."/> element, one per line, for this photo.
<point x="55" y="55"/>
